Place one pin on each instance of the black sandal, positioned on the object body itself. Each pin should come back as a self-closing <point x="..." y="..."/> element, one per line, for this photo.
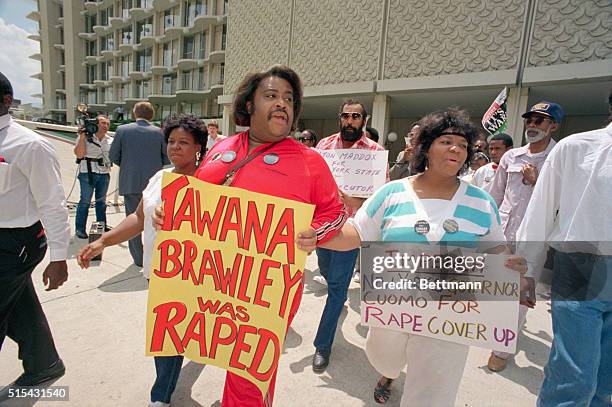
<point x="382" y="391"/>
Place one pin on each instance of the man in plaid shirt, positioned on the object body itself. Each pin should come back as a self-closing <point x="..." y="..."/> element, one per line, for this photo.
<point x="336" y="266"/>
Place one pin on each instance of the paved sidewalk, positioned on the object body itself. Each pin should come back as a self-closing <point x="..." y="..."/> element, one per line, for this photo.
<point x="98" y="322"/>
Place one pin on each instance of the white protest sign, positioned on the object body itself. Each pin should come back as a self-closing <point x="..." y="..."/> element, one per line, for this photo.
<point x="357" y="172"/>
<point x="487" y="319"/>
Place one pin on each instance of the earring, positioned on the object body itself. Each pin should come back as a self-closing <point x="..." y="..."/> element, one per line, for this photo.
<point x="198" y="156"/>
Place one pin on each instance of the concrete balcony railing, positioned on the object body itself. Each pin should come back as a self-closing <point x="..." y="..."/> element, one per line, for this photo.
<point x="87" y="36"/>
<point x="161" y="69"/>
<point x="34" y="15"/>
<point x="216" y="56"/>
<point x="117" y="22"/>
<point x="91" y="5"/>
<point x="186" y="64"/>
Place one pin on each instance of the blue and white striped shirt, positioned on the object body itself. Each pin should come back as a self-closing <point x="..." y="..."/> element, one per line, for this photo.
<point x="391" y="213"/>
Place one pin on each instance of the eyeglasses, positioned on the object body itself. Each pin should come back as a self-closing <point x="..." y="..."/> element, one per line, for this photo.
<point x="346" y="115"/>
<point x="302" y="139"/>
<point x="537" y="120"/>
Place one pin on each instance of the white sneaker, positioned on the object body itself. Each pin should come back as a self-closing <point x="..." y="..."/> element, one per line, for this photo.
<point x="158" y="404"/>
<point x="357" y="277"/>
<point x="320" y="280"/>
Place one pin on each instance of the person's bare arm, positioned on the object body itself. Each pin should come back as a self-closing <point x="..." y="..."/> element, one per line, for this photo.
<point x="80" y="149"/>
<point x="130" y="227"/>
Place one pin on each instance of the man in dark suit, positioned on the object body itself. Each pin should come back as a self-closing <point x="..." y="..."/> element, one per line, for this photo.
<point x="139" y="150"/>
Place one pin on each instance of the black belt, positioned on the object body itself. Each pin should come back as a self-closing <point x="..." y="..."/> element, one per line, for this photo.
<point x="35" y="228"/>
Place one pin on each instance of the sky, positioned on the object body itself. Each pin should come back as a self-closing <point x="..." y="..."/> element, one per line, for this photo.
<point x="16" y="48"/>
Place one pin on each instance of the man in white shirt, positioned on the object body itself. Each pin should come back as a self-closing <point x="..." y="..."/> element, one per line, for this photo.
<point x="31" y="191"/>
<point x="515" y="179"/>
<point x="570" y="210"/>
<point x="213" y="134"/>
<point x="92" y="153"/>
<point x="498" y="145"/>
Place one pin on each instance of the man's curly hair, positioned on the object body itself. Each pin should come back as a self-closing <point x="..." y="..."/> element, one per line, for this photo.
<point x="246" y="92"/>
<point x="190" y="123"/>
<point x="433" y="125"/>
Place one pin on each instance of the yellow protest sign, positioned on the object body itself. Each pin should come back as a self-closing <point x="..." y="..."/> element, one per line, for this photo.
<point x="225" y="271"/>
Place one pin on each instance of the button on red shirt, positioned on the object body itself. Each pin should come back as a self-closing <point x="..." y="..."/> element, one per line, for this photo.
<point x="300" y="174"/>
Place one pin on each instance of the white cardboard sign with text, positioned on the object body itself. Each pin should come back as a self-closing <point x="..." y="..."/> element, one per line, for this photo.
<point x="490" y="324"/>
<point x="357" y="172"/>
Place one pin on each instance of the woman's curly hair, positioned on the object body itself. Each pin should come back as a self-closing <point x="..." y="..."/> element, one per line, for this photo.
<point x="433" y="125"/>
<point x="190" y="123"/>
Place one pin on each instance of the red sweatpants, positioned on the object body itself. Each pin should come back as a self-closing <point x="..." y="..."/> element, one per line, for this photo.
<point x="239" y="392"/>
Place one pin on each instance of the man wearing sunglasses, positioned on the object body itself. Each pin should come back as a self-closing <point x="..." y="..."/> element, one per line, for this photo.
<point x="336" y="266"/>
<point x="514" y="181"/>
<point x="308" y="137"/>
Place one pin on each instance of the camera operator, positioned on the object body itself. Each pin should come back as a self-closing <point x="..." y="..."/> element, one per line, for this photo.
<point x="91" y="151"/>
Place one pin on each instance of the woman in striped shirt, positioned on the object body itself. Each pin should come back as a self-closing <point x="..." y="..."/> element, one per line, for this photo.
<point x="431" y="207"/>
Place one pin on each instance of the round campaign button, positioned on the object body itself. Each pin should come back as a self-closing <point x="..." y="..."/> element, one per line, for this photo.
<point x="271" y="158"/>
<point x="228" y="156"/>
<point x="421" y="227"/>
<point x="450" y="225"/>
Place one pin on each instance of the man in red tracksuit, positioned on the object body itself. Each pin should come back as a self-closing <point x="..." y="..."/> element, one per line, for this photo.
<point x="265" y="160"/>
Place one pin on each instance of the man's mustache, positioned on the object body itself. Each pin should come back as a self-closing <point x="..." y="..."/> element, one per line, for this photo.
<point x="278" y="111"/>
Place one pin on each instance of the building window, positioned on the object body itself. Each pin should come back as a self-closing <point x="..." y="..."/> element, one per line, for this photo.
<point x="109" y="94"/>
<point x="92" y="97"/>
<point x="222" y="74"/>
<point x="90" y="48"/>
<point x="186" y="80"/>
<point x="144" y="28"/>
<point x="224" y="37"/>
<point x="142" y="89"/>
<point x="91" y="73"/>
<point x="126" y="5"/>
<point x="107" y="43"/>
<point x="104" y="71"/>
<point x="144" y="60"/>
<point x="167" y="110"/>
<point x="193" y="108"/>
<point x="225" y="6"/>
<point x="170" y="18"/>
<point x="125" y="90"/>
<point x="193" y="8"/>
<point x="201" y="85"/>
<point x="126" y="36"/>
<point x="90" y="22"/>
<point x="125" y="66"/>
<point x="170" y="51"/>
<point x="60" y="102"/>
<point x="202" y="50"/>
<point x="105" y="15"/>
<point x="169" y="84"/>
<point x="188" y="48"/>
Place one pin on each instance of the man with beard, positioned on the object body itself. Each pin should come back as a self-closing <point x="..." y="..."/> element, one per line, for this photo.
<point x="336" y="266"/>
<point x="514" y="181"/>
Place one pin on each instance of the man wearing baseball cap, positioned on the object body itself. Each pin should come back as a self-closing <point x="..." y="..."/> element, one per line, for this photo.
<point x="514" y="181"/>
